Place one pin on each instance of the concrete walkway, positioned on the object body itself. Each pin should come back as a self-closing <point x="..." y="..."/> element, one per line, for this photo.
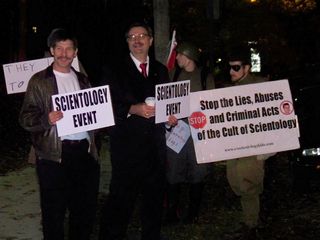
<point x="19" y="206"/>
<point x="20" y="215"/>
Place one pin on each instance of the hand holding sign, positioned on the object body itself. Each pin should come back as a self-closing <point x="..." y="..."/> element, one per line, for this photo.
<point x="172" y="121"/>
<point x="55" y="116"/>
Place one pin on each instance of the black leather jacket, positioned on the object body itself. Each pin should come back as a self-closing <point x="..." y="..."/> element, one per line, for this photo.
<point x="34" y="114"/>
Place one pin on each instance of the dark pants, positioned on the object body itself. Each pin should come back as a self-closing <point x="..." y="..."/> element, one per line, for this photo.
<point x="70" y="185"/>
<point x="120" y="204"/>
<point x="142" y="174"/>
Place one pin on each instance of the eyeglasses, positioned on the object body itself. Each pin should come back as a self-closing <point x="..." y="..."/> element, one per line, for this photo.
<point x="235" y="68"/>
<point x="139" y="36"/>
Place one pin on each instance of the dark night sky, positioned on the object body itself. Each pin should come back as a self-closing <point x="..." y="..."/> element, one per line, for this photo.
<point x="99" y="26"/>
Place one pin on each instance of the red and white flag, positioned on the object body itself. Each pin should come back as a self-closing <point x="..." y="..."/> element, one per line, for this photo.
<point x="172" y="52"/>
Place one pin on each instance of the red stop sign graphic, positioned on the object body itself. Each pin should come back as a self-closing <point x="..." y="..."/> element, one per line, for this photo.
<point x="197" y="120"/>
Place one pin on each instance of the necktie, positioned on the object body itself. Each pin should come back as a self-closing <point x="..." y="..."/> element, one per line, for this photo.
<point x="143" y="67"/>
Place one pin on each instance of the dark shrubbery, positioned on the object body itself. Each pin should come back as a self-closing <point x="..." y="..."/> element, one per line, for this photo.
<point x="14" y="140"/>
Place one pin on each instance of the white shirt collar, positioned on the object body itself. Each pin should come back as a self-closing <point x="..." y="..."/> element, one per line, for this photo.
<point x="137" y="62"/>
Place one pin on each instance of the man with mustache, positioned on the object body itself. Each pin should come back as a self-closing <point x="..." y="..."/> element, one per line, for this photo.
<point x="137" y="144"/>
<point x="67" y="167"/>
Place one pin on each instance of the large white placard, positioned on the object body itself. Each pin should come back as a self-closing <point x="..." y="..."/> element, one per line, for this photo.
<point x="17" y="75"/>
<point x="243" y="121"/>
<point x="84" y="110"/>
<point x="172" y="99"/>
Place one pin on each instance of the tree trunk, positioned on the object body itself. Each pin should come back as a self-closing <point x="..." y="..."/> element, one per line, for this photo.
<point x="23" y="31"/>
<point x="161" y="29"/>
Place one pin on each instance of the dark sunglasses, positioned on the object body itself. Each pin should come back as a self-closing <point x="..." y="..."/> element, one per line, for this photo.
<point x="235" y="68"/>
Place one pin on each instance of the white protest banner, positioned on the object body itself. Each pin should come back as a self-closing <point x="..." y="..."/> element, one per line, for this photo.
<point x="84" y="110"/>
<point x="243" y="121"/>
<point x="17" y="75"/>
<point x="178" y="136"/>
<point x="172" y="99"/>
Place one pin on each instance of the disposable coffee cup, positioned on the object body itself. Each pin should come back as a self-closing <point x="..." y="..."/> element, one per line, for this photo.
<point x="150" y="101"/>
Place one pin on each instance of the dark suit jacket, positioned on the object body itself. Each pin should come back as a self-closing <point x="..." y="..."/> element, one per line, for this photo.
<point x="137" y="143"/>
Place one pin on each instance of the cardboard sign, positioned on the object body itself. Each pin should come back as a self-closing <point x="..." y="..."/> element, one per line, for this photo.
<point x="84" y="110"/>
<point x="243" y="121"/>
<point x="17" y="75"/>
<point x="172" y="99"/>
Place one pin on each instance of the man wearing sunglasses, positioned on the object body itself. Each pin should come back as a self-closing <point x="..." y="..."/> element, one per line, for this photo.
<point x="245" y="175"/>
<point x="240" y="66"/>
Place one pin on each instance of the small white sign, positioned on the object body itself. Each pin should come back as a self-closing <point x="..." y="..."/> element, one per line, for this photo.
<point x="84" y="110"/>
<point x="178" y="136"/>
<point x="242" y="121"/>
<point x="17" y="75"/>
<point x="172" y="99"/>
